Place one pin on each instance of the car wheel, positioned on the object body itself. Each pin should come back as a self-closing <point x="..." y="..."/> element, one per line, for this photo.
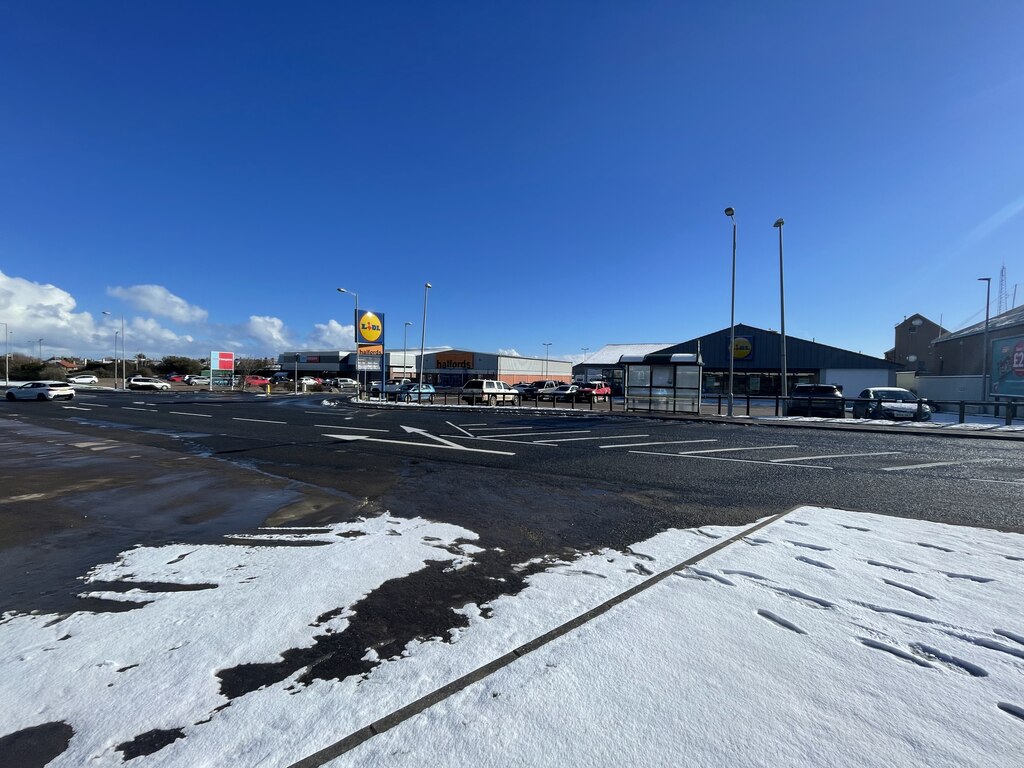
<point x="408" y="398"/>
<point x="492" y="400"/>
<point x="41" y="396"/>
<point x="515" y="400"/>
<point x="10" y="396"/>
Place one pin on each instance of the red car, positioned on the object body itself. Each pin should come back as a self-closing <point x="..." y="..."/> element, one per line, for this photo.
<point x="176" y="377"/>
<point x="256" y="381"/>
<point x="594" y="391"/>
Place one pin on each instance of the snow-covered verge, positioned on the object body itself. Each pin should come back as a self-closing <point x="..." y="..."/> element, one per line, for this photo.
<point x="825" y="638"/>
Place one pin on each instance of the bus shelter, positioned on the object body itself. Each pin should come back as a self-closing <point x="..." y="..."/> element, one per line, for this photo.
<point x="664" y="383"/>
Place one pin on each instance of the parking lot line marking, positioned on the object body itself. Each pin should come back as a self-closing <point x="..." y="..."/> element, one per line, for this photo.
<point x="724" y="458"/>
<point x="726" y="450"/>
<point x="1008" y="482"/>
<point x="456" y="426"/>
<point x="501" y="440"/>
<point x="339" y="426"/>
<point x="838" y="456"/>
<point x="596" y="437"/>
<point x="366" y="439"/>
<point x="666" y="442"/>
<point x="186" y="413"/>
<point x="261" y="421"/>
<point x="936" y="464"/>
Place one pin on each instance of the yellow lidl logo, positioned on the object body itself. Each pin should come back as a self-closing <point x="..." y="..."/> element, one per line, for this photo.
<point x="742" y="348"/>
<point x="370" y="327"/>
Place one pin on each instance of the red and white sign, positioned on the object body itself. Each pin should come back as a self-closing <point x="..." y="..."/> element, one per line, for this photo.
<point x="222" y="361"/>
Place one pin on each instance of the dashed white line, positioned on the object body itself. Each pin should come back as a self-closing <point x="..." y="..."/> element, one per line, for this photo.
<point x="186" y="413"/>
<point x="937" y="464"/>
<point x="147" y="410"/>
<point x="838" y="456"/>
<point x="599" y="437"/>
<point x="727" y="450"/>
<point x="75" y="408"/>
<point x="362" y="429"/>
<point x="724" y="458"/>
<point x="261" y="421"/>
<point x="666" y="442"/>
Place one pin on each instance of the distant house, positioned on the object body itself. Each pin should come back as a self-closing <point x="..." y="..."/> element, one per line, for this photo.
<point x="913" y="348"/>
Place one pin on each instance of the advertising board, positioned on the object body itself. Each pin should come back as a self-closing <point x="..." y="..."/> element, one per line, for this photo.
<point x="1007" y="371"/>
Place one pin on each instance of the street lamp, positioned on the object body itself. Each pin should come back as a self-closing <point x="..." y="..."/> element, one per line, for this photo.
<point x="732" y="310"/>
<point x="6" y="354"/>
<point x="423" y="332"/>
<point x="355" y="332"/>
<point x="124" y="370"/>
<point x="116" y="334"/>
<point x="782" y="304"/>
<point x="405" y="349"/>
<point x="40" y="350"/>
<point x="547" y="348"/>
<point x="984" y="372"/>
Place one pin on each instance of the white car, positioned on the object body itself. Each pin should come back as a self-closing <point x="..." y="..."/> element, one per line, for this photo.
<point x="147" y="382"/>
<point x="83" y="378"/>
<point x="42" y="390"/>
<point x="198" y="381"/>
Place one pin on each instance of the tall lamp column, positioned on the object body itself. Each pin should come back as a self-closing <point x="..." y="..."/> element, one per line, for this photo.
<point x="731" y="213"/>
<point x="423" y="332"/>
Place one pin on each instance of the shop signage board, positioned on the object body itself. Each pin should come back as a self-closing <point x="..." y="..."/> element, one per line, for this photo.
<point x="369" y="340"/>
<point x="1007" y="372"/>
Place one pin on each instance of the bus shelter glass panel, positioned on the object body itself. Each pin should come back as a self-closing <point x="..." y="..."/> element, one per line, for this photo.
<point x="638" y="386"/>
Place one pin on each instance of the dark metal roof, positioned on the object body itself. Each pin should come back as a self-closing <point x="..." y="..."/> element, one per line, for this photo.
<point x="1005" y="321"/>
<point x="801" y="354"/>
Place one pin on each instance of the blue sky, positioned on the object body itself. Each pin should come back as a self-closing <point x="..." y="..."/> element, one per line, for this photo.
<point x="558" y="171"/>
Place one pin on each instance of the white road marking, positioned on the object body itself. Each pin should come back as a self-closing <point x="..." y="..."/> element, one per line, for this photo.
<point x="563" y="432"/>
<point x="75" y="408"/>
<point x="186" y="413"/>
<point x="667" y="442"/>
<point x="97" y="405"/>
<point x="502" y="440"/>
<point x="601" y="437"/>
<point x="424" y="433"/>
<point x="937" y="464"/>
<point x="498" y="429"/>
<point x="456" y="426"/>
<point x="726" y="450"/>
<point x="451" y="447"/>
<point x="838" y="456"/>
<point x="147" y="410"/>
<point x="339" y="426"/>
<point x="481" y="424"/>
<point x="724" y="458"/>
<point x="261" y="421"/>
<point x="1008" y="482"/>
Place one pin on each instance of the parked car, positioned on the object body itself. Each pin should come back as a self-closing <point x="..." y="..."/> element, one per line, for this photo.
<point x="817" y="400"/>
<point x="256" y="381"/>
<point x="418" y="393"/>
<point x="544" y="389"/>
<point x="595" y="390"/>
<point x="83" y="378"/>
<point x="198" y="381"/>
<point x="177" y="377"/>
<point x="344" y="383"/>
<point x="308" y="381"/>
<point x="490" y="392"/>
<point x="148" y="382"/>
<point x="890" y="403"/>
<point x="42" y="390"/>
<point x="566" y="393"/>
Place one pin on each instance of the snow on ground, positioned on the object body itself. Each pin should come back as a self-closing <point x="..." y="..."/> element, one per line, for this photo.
<point x="825" y="638"/>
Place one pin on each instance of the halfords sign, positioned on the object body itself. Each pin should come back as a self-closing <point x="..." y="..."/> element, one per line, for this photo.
<point x="462" y="360"/>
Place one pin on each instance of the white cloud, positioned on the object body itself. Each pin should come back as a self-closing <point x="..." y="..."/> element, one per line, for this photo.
<point x="157" y="300"/>
<point x="509" y="353"/>
<point x="332" y="335"/>
<point x="268" y="331"/>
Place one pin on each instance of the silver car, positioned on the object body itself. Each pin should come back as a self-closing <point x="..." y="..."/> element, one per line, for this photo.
<point x="147" y="382"/>
<point x="42" y="390"/>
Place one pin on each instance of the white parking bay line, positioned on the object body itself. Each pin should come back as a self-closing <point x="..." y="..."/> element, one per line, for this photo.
<point x="724" y="458"/>
<point x="937" y="464"/>
<point x="600" y="437"/>
<point x="361" y="429"/>
<point x="838" y="456"/>
<point x="667" y="442"/>
<point x="260" y="421"/>
<point x="727" y="450"/>
<point x="186" y="413"/>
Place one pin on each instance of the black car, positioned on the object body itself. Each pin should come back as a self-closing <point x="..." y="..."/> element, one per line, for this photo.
<point x="817" y="400"/>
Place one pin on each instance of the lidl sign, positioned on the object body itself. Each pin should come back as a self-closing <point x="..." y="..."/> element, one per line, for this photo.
<point x="743" y="348"/>
<point x="369" y="327"/>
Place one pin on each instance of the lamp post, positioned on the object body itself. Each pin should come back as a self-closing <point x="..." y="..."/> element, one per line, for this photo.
<point x="124" y="370"/>
<point x="732" y="310"/>
<point x="7" y="356"/>
<point x="547" y="349"/>
<point x="423" y="332"/>
<point x="984" y="371"/>
<point x="782" y="305"/>
<point x="355" y="333"/>
<point x="40" y="350"/>
<point x="405" y="350"/>
<point x="116" y="334"/>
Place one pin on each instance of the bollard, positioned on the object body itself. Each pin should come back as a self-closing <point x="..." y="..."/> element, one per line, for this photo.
<point x="963" y="412"/>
